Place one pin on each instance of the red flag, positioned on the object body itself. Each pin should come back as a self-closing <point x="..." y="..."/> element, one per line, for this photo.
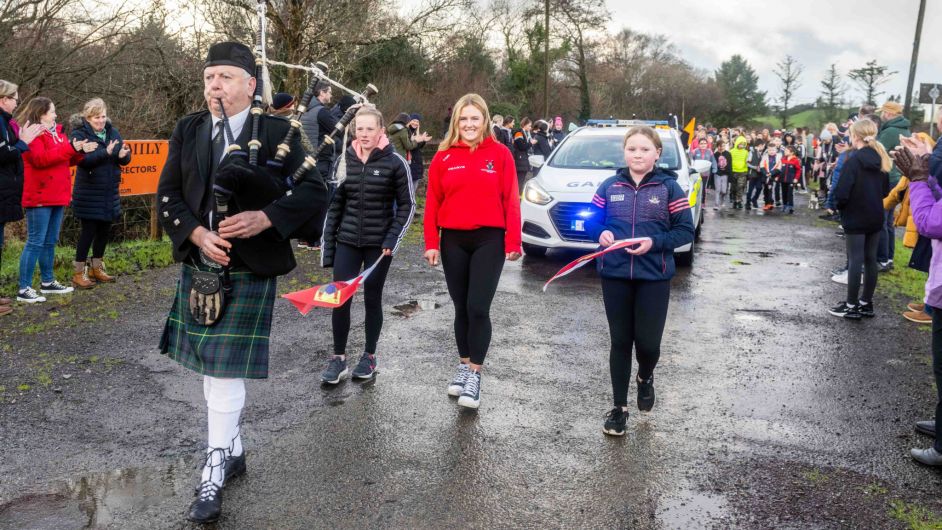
<point x="579" y="262"/>
<point x="332" y="295"/>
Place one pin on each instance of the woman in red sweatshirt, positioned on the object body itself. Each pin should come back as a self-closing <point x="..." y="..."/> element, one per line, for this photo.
<point x="47" y="190"/>
<point x="472" y="221"/>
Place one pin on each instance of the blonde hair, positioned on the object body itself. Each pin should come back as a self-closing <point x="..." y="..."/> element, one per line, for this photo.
<point x="645" y="131"/>
<point x="8" y="89"/>
<point x="94" y="107"/>
<point x="369" y="111"/>
<point x="453" y="135"/>
<point x="865" y="130"/>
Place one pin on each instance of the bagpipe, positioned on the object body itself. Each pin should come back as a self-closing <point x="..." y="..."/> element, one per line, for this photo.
<point x="241" y="182"/>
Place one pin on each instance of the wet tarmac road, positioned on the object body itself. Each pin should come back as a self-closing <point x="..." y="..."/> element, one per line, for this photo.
<point x="770" y="413"/>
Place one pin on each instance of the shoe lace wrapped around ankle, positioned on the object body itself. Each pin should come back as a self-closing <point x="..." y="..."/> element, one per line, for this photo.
<point x="208" y="489"/>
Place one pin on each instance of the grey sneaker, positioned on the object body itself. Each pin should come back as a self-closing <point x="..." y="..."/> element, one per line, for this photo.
<point x="30" y="296"/>
<point x="335" y="372"/>
<point x="54" y="287"/>
<point x="471" y="395"/>
<point x="366" y="367"/>
<point x="457" y="384"/>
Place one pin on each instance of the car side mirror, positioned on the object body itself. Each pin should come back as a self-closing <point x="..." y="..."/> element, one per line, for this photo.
<point x="536" y="161"/>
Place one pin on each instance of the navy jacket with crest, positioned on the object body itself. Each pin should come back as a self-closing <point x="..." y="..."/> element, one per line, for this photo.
<point x="657" y="208"/>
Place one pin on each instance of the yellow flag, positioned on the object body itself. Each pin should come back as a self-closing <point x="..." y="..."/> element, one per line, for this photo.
<point x="691" y="127"/>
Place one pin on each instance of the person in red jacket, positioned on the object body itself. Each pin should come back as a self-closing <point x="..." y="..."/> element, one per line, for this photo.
<point x="47" y="190"/>
<point x="472" y="221"/>
<point x="791" y="176"/>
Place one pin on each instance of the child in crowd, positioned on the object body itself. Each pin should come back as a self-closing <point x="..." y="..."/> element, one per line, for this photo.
<point x="791" y="176"/>
<point x="721" y="182"/>
<point x="755" y="175"/>
<point x="771" y="168"/>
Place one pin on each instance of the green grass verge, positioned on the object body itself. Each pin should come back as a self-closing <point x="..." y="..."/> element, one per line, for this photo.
<point x="120" y="258"/>
<point x="914" y="516"/>
<point x="902" y="281"/>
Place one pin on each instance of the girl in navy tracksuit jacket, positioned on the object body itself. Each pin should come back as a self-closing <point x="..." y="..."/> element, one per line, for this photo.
<point x="641" y="200"/>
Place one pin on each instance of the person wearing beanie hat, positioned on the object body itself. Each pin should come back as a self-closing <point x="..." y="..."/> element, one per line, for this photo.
<point x="416" y="158"/>
<point x="252" y="244"/>
<point x="557" y="134"/>
<point x="282" y="104"/>
<point x="401" y="139"/>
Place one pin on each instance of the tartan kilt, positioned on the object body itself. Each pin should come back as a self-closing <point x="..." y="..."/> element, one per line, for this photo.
<point x="237" y="346"/>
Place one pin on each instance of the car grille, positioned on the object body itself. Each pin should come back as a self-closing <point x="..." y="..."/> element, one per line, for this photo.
<point x="563" y="214"/>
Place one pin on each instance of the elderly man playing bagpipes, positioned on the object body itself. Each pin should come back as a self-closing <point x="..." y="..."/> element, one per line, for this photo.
<point x="230" y="213"/>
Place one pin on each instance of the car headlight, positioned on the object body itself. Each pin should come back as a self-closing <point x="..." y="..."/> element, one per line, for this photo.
<point x="534" y="193"/>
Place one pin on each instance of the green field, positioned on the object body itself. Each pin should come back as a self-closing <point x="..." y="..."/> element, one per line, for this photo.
<point x="813" y="118"/>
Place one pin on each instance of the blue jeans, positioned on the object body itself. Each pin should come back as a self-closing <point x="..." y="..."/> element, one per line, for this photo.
<point x="42" y="234"/>
<point x="887" y="247"/>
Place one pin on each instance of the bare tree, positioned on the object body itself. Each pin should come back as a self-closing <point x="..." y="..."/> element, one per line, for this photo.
<point x="580" y="21"/>
<point x="832" y="93"/>
<point x="870" y="78"/>
<point x="788" y="72"/>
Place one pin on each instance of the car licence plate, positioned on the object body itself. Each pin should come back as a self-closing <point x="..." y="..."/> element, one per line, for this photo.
<point x="578" y="225"/>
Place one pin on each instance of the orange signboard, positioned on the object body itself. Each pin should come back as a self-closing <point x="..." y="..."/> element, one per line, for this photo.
<point x="140" y="177"/>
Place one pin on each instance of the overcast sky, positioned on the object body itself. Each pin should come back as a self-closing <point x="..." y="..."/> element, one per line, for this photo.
<point x="816" y="32"/>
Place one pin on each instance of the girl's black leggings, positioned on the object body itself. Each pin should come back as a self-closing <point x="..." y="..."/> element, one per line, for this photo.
<point x="636" y="311"/>
<point x="92" y="232"/>
<point x="473" y="261"/>
<point x="349" y="261"/>
<point x="861" y="254"/>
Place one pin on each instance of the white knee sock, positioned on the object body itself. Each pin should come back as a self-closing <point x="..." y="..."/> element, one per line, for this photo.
<point x="224" y="401"/>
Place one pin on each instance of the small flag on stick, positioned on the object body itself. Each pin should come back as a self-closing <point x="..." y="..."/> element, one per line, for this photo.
<point x="331" y="295"/>
<point x="581" y="261"/>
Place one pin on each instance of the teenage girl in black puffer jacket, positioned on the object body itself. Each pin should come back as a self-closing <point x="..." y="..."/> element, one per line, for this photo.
<point x="362" y="225"/>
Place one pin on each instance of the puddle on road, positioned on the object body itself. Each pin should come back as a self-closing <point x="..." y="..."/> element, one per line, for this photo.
<point x="98" y="499"/>
<point x="692" y="510"/>
<point x="412" y="307"/>
<point x="798" y="264"/>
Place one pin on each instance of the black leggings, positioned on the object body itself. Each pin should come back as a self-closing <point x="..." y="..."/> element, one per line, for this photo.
<point x="348" y="262"/>
<point x="861" y="253"/>
<point x="636" y="311"/>
<point x="473" y="261"/>
<point x="937" y="371"/>
<point x="92" y="231"/>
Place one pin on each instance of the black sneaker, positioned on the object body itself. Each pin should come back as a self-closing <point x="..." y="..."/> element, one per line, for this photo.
<point x="336" y="370"/>
<point x="366" y="367"/>
<point x="866" y="309"/>
<point x="615" y="422"/>
<point x="471" y="394"/>
<point x="457" y="384"/>
<point x="845" y="310"/>
<point x="54" y="287"/>
<point x="646" y="394"/>
<point x="29" y="296"/>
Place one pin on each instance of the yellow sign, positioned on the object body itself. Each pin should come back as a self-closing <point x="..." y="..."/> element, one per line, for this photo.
<point x="140" y="177"/>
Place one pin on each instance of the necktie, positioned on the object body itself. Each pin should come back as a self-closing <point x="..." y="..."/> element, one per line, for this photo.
<point x="219" y="143"/>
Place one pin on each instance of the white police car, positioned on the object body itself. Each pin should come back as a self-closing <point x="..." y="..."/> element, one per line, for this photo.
<point x="556" y="202"/>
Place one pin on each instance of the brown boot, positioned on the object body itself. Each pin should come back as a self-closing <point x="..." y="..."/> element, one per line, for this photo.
<point x="80" y="278"/>
<point x="6" y="301"/>
<point x="97" y="272"/>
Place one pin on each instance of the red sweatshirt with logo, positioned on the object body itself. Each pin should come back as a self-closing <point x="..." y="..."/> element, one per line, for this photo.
<point x="473" y="189"/>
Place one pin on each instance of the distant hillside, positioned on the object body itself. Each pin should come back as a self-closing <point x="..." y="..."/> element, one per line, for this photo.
<point x="812" y="118"/>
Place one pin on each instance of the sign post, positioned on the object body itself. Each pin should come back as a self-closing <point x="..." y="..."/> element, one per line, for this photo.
<point x="934" y="94"/>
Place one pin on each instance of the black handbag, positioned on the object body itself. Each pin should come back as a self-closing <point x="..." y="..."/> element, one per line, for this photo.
<point x="922" y="254"/>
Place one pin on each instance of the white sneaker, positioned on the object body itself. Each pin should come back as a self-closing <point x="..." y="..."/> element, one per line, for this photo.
<point x="29" y="296"/>
<point x="54" y="287"/>
<point x="841" y="278"/>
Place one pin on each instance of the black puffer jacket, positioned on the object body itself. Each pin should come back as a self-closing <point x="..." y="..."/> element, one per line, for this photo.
<point x="95" y="195"/>
<point x="361" y="212"/>
<point x="860" y="192"/>
<point x="11" y="171"/>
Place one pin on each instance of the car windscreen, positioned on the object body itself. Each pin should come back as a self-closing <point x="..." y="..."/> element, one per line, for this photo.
<point x="604" y="152"/>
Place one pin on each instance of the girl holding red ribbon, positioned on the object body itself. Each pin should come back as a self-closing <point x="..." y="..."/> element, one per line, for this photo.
<point x="640" y="201"/>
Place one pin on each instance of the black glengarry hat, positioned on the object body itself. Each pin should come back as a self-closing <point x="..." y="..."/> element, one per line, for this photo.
<point x="231" y="54"/>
